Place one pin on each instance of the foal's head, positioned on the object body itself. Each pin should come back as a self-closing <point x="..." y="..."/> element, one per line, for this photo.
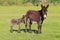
<point x="44" y="10"/>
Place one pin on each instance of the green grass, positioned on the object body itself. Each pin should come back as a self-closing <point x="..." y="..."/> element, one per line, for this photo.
<point x="50" y="28"/>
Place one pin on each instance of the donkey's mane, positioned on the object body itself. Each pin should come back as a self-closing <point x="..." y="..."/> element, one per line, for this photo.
<point x="41" y="14"/>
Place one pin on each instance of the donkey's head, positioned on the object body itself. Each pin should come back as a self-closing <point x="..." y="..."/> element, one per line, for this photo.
<point x="44" y="10"/>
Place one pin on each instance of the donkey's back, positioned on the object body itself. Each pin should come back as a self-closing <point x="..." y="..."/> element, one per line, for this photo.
<point x="33" y="15"/>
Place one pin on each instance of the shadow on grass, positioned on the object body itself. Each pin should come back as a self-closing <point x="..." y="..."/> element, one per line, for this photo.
<point x="35" y="31"/>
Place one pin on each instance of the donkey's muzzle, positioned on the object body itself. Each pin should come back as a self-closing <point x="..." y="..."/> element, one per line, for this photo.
<point x="45" y="16"/>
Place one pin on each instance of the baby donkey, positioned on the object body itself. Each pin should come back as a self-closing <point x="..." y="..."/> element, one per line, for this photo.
<point x="16" y="21"/>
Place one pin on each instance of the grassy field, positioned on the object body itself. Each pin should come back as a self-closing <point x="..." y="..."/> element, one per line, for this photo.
<point x="50" y="28"/>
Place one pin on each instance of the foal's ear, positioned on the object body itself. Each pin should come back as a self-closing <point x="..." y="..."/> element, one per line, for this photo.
<point x="47" y="6"/>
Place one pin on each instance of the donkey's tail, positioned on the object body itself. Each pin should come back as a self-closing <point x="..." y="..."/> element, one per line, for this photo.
<point x="24" y="16"/>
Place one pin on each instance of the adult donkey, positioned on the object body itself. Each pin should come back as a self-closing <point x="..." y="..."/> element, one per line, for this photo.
<point x="36" y="16"/>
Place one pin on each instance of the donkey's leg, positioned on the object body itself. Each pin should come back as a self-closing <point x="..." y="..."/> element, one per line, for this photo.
<point x="30" y="23"/>
<point x="11" y="27"/>
<point x="42" y="21"/>
<point x="26" y="25"/>
<point x="39" y="27"/>
<point x="18" y="28"/>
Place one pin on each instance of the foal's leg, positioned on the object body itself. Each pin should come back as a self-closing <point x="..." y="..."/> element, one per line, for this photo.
<point x="30" y="23"/>
<point x="11" y="27"/>
<point x="18" y="28"/>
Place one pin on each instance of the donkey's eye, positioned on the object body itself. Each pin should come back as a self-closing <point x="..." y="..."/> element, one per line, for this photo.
<point x="46" y="10"/>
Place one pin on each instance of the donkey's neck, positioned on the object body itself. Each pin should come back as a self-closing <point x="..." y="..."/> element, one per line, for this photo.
<point x="41" y="14"/>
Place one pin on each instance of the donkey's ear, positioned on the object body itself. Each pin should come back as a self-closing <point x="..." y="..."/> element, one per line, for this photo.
<point x="41" y="5"/>
<point x="47" y="6"/>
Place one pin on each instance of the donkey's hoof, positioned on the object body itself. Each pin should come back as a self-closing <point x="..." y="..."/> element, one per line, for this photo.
<point x="11" y="31"/>
<point x="18" y="31"/>
<point x="25" y="31"/>
<point x="39" y="32"/>
<point x="30" y="31"/>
